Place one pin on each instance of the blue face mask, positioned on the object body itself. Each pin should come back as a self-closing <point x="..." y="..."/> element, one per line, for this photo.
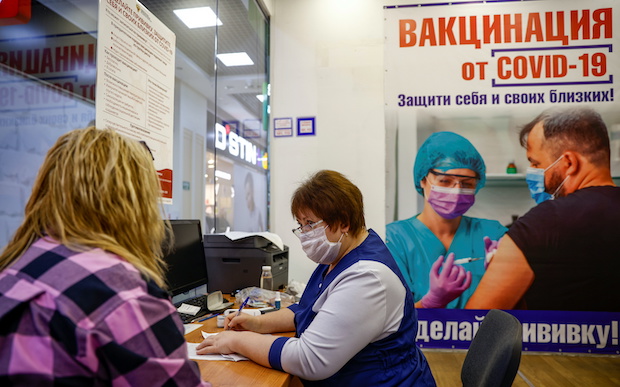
<point x="535" y="178"/>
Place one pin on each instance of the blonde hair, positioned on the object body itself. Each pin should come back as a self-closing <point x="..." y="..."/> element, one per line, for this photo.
<point x="97" y="189"/>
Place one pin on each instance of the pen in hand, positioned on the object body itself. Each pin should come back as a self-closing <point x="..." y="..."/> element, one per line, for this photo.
<point x="240" y="309"/>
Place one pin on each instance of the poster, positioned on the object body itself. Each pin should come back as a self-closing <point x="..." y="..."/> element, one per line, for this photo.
<point x="495" y="66"/>
<point x="483" y="70"/>
<point x="250" y="204"/>
<point x="135" y="80"/>
<point x="501" y="55"/>
<point x="543" y="331"/>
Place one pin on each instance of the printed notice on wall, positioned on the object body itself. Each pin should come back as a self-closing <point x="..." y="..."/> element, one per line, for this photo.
<point x="135" y="80"/>
<point x="502" y="55"/>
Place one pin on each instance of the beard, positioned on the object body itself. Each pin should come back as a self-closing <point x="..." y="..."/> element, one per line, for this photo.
<point x="554" y="182"/>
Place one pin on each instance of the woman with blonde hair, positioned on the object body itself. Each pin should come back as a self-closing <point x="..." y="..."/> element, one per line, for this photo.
<point x="81" y="280"/>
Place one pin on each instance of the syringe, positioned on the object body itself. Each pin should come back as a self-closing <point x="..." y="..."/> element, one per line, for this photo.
<point x="465" y="260"/>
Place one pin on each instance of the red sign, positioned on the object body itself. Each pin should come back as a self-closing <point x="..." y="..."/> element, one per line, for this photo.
<point x="15" y="12"/>
<point x="165" y="181"/>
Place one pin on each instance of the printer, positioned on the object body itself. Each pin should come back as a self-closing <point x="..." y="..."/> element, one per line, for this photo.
<point x="237" y="264"/>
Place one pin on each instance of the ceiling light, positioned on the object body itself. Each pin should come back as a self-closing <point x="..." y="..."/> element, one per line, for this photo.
<point x="235" y="59"/>
<point x="222" y="174"/>
<point x="198" y="17"/>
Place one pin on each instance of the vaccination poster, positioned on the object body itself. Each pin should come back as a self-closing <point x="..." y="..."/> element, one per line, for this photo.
<point x="483" y="70"/>
<point x="135" y="80"/>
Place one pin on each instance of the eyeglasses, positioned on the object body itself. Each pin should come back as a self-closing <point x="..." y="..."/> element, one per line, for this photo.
<point x="147" y="148"/>
<point x="449" y="180"/>
<point x="305" y="228"/>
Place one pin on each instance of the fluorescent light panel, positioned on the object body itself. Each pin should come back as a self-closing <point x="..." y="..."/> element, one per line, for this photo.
<point x="222" y="174"/>
<point x="235" y="59"/>
<point x="198" y="17"/>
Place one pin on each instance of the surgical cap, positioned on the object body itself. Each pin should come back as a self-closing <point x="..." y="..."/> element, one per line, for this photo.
<point x="444" y="151"/>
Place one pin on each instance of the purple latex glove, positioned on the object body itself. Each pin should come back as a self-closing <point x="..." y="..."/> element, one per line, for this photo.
<point x="447" y="285"/>
<point x="490" y="246"/>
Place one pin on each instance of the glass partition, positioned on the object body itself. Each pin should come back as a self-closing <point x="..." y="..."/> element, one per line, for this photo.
<point x="240" y="184"/>
<point x="47" y="87"/>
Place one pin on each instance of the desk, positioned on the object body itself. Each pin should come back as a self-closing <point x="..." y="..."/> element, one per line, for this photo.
<point x="538" y="369"/>
<point x="241" y="373"/>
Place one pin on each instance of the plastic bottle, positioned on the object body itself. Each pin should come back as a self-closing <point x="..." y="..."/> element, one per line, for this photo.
<point x="278" y="300"/>
<point x="266" y="278"/>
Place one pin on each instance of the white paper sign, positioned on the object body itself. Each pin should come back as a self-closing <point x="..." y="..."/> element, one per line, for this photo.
<point x="135" y="80"/>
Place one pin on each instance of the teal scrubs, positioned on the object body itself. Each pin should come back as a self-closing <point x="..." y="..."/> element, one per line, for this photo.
<point x="415" y="248"/>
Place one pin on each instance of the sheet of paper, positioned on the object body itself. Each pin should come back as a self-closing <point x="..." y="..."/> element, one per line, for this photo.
<point x="191" y="350"/>
<point x="273" y="238"/>
<point x="190" y="327"/>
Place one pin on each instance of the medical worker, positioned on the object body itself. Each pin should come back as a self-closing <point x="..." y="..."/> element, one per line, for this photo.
<point x="448" y="172"/>
<point x="355" y="324"/>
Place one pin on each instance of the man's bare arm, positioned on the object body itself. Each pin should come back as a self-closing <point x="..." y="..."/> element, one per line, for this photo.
<point x="506" y="280"/>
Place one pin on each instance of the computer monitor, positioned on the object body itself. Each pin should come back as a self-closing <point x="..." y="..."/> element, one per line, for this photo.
<point x="187" y="267"/>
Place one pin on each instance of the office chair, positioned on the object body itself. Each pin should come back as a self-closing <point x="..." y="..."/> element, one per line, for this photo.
<point x="494" y="355"/>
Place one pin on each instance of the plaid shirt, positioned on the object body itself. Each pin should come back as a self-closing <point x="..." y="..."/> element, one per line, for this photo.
<point x="87" y="319"/>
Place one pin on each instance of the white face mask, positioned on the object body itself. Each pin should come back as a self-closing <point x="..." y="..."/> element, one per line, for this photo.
<point x="318" y="248"/>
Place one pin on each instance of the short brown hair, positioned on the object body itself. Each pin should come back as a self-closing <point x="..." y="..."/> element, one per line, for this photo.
<point x="333" y="198"/>
<point x="578" y="129"/>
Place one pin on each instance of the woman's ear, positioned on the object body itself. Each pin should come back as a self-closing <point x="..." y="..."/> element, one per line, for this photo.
<point x="423" y="184"/>
<point x="342" y="227"/>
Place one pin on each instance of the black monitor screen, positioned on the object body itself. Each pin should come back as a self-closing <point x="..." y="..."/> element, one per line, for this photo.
<point x="187" y="267"/>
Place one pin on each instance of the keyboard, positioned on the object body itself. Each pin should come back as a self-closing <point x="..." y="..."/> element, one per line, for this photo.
<point x="200" y="301"/>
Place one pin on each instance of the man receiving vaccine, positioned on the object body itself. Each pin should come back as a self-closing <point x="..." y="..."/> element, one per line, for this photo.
<point x="562" y="254"/>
